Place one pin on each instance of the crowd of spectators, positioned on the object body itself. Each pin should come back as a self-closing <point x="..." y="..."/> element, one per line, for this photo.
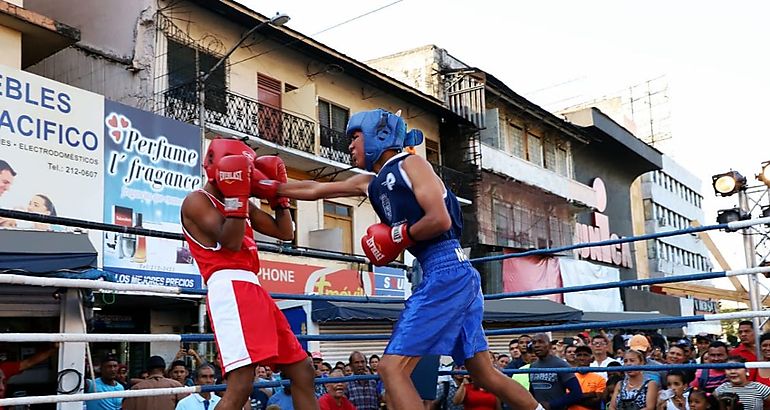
<point x="661" y="389"/>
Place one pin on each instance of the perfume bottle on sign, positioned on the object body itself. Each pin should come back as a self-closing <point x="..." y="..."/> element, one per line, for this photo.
<point x="126" y="243"/>
<point x="140" y="256"/>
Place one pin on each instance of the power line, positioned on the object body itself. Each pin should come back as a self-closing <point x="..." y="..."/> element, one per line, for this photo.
<point x="305" y="37"/>
<point x="357" y="17"/>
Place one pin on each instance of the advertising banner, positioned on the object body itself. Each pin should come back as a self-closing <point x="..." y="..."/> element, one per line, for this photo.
<point x="51" y="150"/>
<point x="390" y="282"/>
<point x="282" y="277"/>
<point x="150" y="164"/>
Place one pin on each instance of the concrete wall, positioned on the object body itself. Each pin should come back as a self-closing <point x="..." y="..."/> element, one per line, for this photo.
<point x="115" y="53"/>
<point x="88" y="71"/>
<point x="107" y="25"/>
<point x="10" y="43"/>
<point x="417" y="68"/>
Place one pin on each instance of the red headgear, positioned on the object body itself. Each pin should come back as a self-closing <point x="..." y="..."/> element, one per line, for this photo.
<point x="221" y="147"/>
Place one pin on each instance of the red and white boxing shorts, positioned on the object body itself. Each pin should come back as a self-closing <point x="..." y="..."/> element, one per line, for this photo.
<point x="248" y="326"/>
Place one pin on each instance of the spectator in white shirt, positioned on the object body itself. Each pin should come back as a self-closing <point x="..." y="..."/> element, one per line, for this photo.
<point x="599" y="345"/>
<point x="201" y="401"/>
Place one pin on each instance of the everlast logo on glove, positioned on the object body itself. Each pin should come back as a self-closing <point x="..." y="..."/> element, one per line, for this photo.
<point x="396" y="234"/>
<point x="225" y="176"/>
<point x="232" y="204"/>
<point x="374" y="249"/>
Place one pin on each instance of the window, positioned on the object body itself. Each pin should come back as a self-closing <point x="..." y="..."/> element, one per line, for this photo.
<point x="549" y="153"/>
<point x="183" y="65"/>
<point x="652" y="248"/>
<point x="432" y="152"/>
<point x="287" y="88"/>
<point x="332" y="116"/>
<point x="503" y="225"/>
<point x="540" y="230"/>
<point x="516" y="141"/>
<point x="337" y="216"/>
<point x="648" y="209"/>
<point x="534" y="149"/>
<point x="562" y="161"/>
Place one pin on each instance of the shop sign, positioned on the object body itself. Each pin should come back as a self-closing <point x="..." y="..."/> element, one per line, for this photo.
<point x="150" y="164"/>
<point x="618" y="255"/>
<point x="51" y="150"/>
<point x="282" y="277"/>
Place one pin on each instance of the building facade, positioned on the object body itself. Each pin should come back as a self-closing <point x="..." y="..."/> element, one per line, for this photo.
<point x="672" y="199"/>
<point x="527" y="195"/>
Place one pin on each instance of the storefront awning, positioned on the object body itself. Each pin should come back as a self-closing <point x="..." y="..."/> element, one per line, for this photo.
<point x="43" y="252"/>
<point x="495" y="311"/>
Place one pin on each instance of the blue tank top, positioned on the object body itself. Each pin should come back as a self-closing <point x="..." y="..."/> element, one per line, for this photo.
<point x="390" y="193"/>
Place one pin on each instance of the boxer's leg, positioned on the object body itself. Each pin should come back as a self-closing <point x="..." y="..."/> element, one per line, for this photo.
<point x="302" y="378"/>
<point x="239" y="384"/>
<point x="395" y="371"/>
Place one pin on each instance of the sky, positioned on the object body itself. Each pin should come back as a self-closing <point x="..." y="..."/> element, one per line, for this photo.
<point x="712" y="55"/>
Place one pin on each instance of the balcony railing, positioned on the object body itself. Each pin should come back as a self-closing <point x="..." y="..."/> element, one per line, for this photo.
<point x="458" y="182"/>
<point x="334" y="145"/>
<point x="242" y="114"/>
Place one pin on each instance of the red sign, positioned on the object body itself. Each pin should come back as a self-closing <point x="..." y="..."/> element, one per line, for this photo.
<point x="282" y="277"/>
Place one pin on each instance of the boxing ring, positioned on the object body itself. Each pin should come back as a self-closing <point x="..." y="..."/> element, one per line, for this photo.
<point x="16" y="279"/>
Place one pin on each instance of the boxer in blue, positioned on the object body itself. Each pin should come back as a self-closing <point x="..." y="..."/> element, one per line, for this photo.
<point x="418" y="213"/>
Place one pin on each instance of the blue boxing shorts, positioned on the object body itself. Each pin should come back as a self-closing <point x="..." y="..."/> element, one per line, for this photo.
<point x="443" y="316"/>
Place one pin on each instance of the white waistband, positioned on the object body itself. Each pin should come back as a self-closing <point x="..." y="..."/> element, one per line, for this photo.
<point x="233" y="274"/>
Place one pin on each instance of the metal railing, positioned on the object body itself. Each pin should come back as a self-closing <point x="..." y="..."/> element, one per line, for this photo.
<point x="460" y="183"/>
<point x="242" y="114"/>
<point x="334" y="145"/>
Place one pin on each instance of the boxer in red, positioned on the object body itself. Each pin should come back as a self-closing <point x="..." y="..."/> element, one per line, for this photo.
<point x="218" y="223"/>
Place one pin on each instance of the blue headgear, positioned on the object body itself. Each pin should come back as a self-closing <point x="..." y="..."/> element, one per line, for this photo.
<point x="382" y="131"/>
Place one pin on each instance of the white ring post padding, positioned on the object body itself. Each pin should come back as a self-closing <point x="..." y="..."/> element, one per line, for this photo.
<point x="87" y="337"/>
<point x="751" y="222"/>
<point x="748" y="271"/>
<point x="737" y="315"/>
<point x="21" y="401"/>
<point x="10" y="279"/>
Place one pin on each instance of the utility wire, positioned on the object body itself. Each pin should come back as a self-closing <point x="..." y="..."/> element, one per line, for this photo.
<point x="305" y="37"/>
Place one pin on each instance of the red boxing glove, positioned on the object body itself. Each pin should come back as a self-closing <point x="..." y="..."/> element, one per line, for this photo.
<point x="274" y="168"/>
<point x="263" y="187"/>
<point x="382" y="244"/>
<point x="233" y="178"/>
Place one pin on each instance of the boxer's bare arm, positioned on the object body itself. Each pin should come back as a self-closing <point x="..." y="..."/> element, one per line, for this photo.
<point x="207" y="225"/>
<point x="429" y="191"/>
<point x="279" y="227"/>
<point x="312" y="190"/>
